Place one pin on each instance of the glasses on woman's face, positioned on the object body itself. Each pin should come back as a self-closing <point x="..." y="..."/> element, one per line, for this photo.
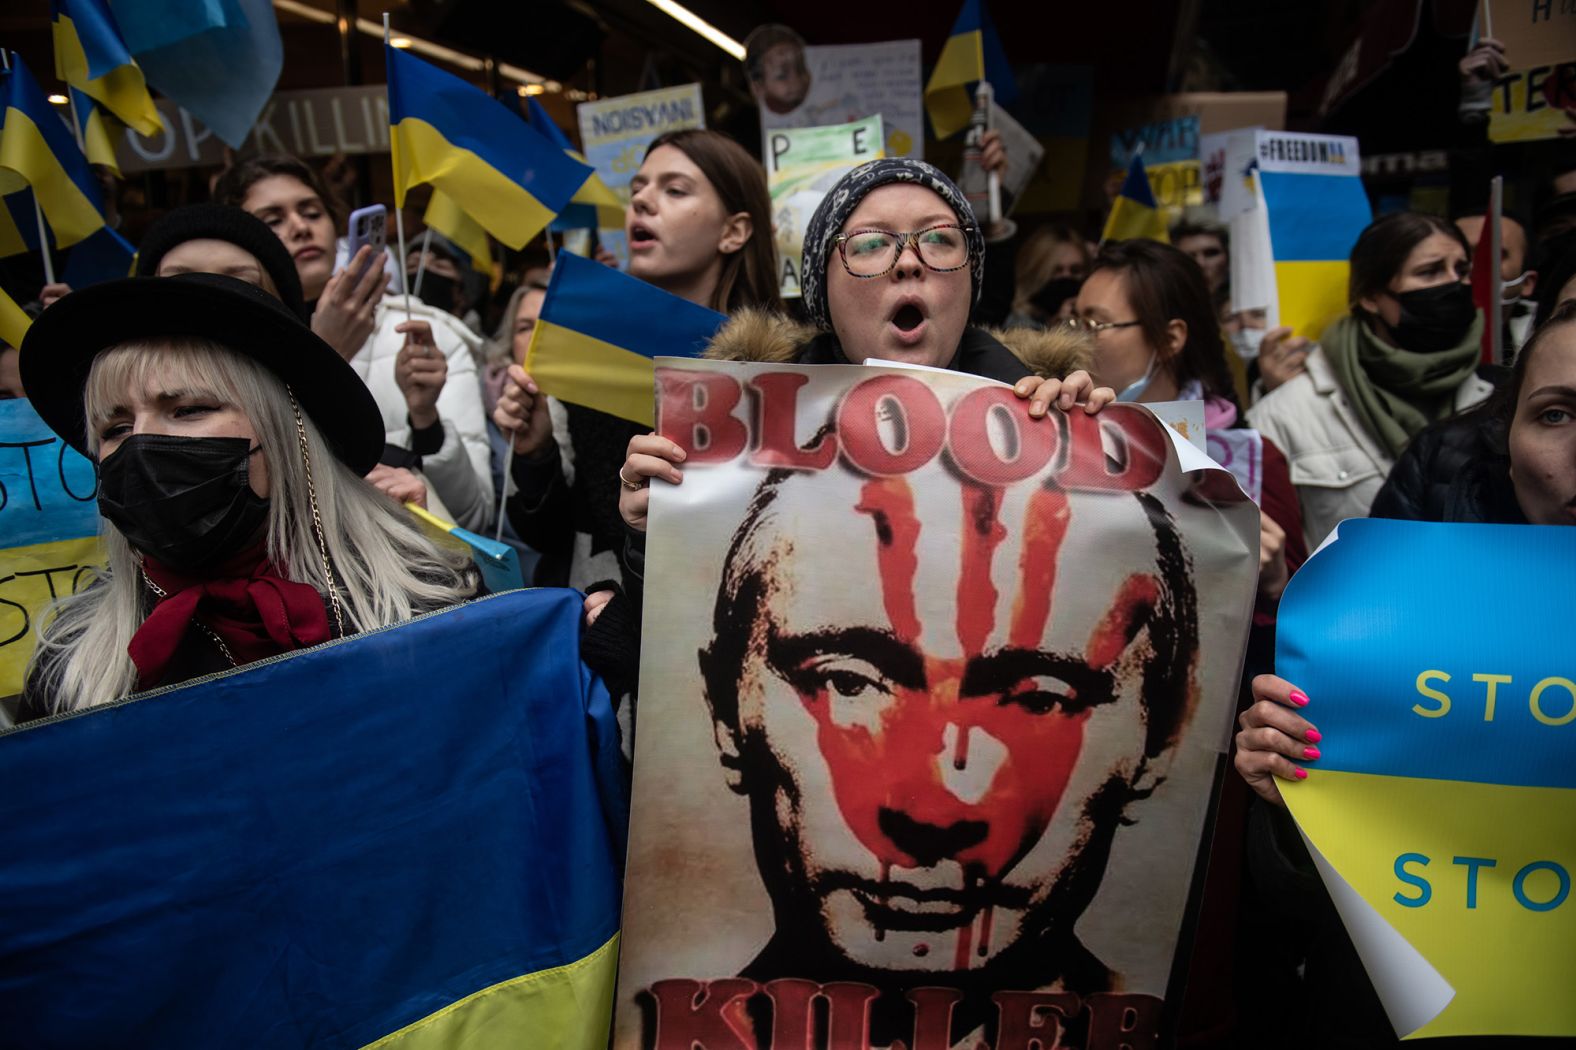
<point x="1083" y="324"/>
<point x="874" y="253"/>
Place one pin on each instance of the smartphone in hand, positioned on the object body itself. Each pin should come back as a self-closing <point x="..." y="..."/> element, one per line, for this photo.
<point x="368" y="226"/>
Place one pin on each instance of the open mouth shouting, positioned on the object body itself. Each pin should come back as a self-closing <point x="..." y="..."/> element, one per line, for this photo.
<point x="909" y="320"/>
<point x="641" y="236"/>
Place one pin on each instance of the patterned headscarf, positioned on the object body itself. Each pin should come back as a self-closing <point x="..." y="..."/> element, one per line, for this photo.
<point x="839" y="204"/>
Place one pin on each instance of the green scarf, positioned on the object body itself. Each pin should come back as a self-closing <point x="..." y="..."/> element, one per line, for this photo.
<point x="1395" y="392"/>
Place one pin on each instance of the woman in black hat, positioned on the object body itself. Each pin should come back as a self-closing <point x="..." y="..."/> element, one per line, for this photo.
<point x="231" y="444"/>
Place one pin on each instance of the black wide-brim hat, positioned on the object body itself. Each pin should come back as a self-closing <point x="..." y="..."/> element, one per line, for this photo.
<point x="60" y="346"/>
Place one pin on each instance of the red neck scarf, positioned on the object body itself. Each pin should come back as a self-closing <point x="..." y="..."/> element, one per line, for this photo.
<point x="246" y="602"/>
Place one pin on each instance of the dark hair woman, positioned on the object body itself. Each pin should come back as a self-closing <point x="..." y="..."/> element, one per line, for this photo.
<point x="699" y="226"/>
<point x="1404" y="356"/>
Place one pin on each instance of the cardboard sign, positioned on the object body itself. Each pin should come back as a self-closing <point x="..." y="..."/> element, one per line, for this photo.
<point x="802" y="165"/>
<point x="1535" y="104"/>
<point x="1534" y="32"/>
<point x="616" y="131"/>
<point x="930" y="721"/>
<point x="49" y="527"/>
<point x="851" y="82"/>
<point x="1442" y="810"/>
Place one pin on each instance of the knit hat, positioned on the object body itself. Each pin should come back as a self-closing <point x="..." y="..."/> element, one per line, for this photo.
<point x="224" y="222"/>
<point x="827" y="222"/>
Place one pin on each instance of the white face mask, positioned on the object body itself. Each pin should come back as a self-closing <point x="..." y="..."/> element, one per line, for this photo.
<point x="1246" y="342"/>
<point x="1506" y="286"/>
<point x="1135" y="390"/>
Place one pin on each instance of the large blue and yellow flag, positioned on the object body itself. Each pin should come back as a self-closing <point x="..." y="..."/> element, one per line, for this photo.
<point x="1134" y="214"/>
<point x="1314" y="218"/>
<point x="594" y="205"/>
<point x="91" y="56"/>
<point x="407" y="838"/>
<point x="1442" y="808"/>
<point x="505" y="174"/>
<point x="36" y="148"/>
<point x="600" y="331"/>
<point x="972" y="53"/>
<point x="219" y="59"/>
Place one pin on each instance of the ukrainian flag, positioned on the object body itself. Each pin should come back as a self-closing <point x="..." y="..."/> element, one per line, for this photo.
<point x="503" y="172"/>
<point x="972" y="53"/>
<point x="1314" y="220"/>
<point x="18" y="222"/>
<point x="449" y="219"/>
<point x="96" y="128"/>
<point x="105" y="256"/>
<point x="1444" y="800"/>
<point x="13" y="322"/>
<point x="593" y="205"/>
<point x="92" y="57"/>
<point x="1134" y="215"/>
<point x="399" y="840"/>
<point x="38" y="149"/>
<point x="599" y="331"/>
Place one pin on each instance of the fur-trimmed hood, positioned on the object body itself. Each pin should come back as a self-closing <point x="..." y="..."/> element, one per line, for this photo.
<point x="761" y="335"/>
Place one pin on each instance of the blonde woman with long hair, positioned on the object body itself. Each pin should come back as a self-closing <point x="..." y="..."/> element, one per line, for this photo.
<point x="232" y="444"/>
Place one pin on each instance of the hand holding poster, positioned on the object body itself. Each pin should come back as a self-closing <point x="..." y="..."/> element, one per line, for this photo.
<point x="929" y="728"/>
<point x="48" y="530"/>
<point x="802" y="166"/>
<point x="1437" y="662"/>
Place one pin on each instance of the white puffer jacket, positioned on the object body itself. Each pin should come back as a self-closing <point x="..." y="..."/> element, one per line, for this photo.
<point x="459" y="472"/>
<point x="1337" y="466"/>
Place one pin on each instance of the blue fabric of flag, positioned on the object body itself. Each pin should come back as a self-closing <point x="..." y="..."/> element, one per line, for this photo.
<point x="1135" y="187"/>
<point x="974" y="17"/>
<point x="102" y="44"/>
<point x="319" y="849"/>
<point x="219" y="59"/>
<point x="105" y="256"/>
<point x="1313" y="218"/>
<point x="600" y="302"/>
<point x="545" y="124"/>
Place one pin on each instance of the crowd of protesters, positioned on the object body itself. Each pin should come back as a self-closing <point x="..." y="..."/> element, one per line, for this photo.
<point x="260" y="408"/>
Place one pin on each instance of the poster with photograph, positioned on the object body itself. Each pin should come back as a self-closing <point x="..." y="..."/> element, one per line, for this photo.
<point x="930" y="725"/>
<point x="616" y="131"/>
<point x="798" y="86"/>
<point x="802" y="166"/>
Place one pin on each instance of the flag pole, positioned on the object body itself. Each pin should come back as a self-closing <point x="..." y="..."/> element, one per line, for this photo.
<point x="76" y="122"/>
<point x="399" y="213"/>
<point x="994" y="181"/>
<point x="421" y="263"/>
<point x="43" y="242"/>
<point x="552" y="256"/>
<point x="1496" y="279"/>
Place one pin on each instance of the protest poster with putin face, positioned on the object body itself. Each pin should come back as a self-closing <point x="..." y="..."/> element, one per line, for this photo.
<point x="928" y="734"/>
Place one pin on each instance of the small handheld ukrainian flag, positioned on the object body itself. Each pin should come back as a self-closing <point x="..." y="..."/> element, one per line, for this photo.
<point x="972" y="53"/>
<point x="36" y="148"/>
<point x="505" y="174"/>
<point x="1134" y="215"/>
<point x="92" y="57"/>
<point x="599" y="331"/>
<point x="593" y="205"/>
<point x="95" y="128"/>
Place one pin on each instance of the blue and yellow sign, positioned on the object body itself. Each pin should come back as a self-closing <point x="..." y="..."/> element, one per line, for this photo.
<point x="1438" y="663"/>
<point x="48" y="530"/>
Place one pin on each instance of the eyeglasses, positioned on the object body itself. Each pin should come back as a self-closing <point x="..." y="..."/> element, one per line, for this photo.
<point x="874" y="253"/>
<point x="1083" y="324"/>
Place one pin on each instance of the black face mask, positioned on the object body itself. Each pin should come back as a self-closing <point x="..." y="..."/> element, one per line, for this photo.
<point x="185" y="502"/>
<point x="1055" y="292"/>
<point x="1435" y="319"/>
<point x="437" y="290"/>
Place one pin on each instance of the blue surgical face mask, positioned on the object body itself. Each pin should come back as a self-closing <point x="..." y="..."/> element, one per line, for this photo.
<point x="1135" y="390"/>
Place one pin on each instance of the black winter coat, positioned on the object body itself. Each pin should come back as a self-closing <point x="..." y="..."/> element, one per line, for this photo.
<point x="1455" y="470"/>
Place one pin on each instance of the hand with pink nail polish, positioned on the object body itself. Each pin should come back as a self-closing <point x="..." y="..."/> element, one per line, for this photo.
<point x="1273" y="733"/>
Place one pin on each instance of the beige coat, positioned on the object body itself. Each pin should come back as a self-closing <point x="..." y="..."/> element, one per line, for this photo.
<point x="1337" y="466"/>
